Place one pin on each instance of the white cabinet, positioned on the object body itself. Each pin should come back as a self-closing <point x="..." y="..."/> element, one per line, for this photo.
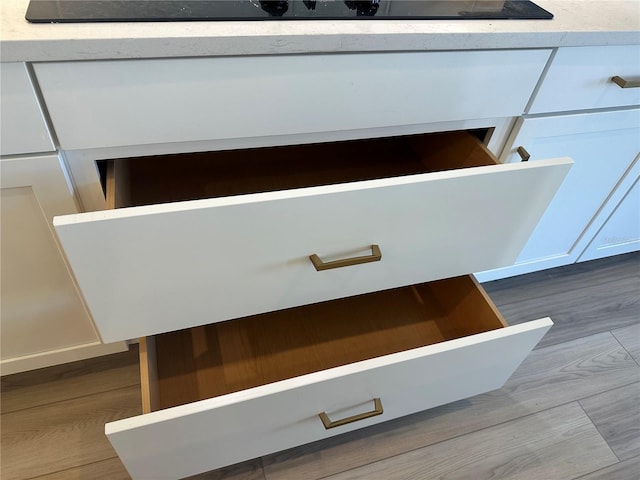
<point x="275" y="349"/>
<point x="283" y="351"/>
<point x="620" y="232"/>
<point x="579" y="111"/>
<point x="22" y="125"/>
<point x="44" y="321"/>
<point x="603" y="146"/>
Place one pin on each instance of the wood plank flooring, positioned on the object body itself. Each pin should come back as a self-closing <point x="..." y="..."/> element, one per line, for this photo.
<point x="537" y="448"/>
<point x="571" y="411"/>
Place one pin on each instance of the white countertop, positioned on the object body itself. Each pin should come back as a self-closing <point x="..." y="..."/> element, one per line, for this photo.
<point x="575" y="23"/>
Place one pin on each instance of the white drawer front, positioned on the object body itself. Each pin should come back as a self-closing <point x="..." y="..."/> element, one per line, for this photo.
<point x="205" y="435"/>
<point x="23" y="126"/>
<point x="146" y="102"/>
<point x="580" y="78"/>
<point x="158" y="268"/>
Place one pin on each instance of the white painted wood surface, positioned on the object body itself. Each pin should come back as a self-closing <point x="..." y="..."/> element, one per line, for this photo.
<point x="158" y="268"/>
<point x="44" y="321"/>
<point x="143" y="102"/>
<point x="201" y="436"/>
<point x="621" y="231"/>
<point x="22" y="126"/>
<point x="604" y="146"/>
<point x="580" y="78"/>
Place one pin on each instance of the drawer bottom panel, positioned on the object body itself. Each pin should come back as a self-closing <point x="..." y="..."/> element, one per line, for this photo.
<point x="231" y="391"/>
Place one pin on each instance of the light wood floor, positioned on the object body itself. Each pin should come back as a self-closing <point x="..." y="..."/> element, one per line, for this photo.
<point x="572" y="410"/>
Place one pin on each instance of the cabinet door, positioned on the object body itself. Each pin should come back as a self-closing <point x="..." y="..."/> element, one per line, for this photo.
<point x="621" y="230"/>
<point x="44" y="321"/>
<point x="603" y="146"/>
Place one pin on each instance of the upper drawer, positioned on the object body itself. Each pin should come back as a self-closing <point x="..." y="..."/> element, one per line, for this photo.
<point x="581" y="78"/>
<point x="141" y="102"/>
<point x="23" y="127"/>
<point x="156" y="268"/>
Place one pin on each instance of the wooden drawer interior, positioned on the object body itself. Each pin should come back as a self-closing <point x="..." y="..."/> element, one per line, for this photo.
<point x="171" y="178"/>
<point x="204" y="362"/>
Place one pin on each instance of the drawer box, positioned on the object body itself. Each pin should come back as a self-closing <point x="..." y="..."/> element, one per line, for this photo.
<point x="223" y="393"/>
<point x="146" y="102"/>
<point x="580" y="78"/>
<point x="436" y="205"/>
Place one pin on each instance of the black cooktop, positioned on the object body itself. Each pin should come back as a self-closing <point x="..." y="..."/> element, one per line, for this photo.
<point x="81" y="11"/>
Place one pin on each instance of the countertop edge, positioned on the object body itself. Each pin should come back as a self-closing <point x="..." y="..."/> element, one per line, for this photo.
<point x="36" y="50"/>
<point x="575" y="23"/>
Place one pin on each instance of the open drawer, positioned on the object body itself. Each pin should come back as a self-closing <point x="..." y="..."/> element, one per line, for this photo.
<point x="222" y="393"/>
<point x="253" y="231"/>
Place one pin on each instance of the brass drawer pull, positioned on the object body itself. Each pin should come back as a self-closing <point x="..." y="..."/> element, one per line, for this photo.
<point x="622" y="83"/>
<point x="524" y="155"/>
<point x="328" y="423"/>
<point x="375" y="256"/>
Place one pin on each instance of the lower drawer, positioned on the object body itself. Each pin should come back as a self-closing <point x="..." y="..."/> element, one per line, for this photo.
<point x="231" y="391"/>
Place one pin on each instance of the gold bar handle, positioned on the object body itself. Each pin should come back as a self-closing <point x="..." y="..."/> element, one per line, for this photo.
<point x="524" y="155"/>
<point x="622" y="83"/>
<point x="328" y="423"/>
<point x="375" y="256"/>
